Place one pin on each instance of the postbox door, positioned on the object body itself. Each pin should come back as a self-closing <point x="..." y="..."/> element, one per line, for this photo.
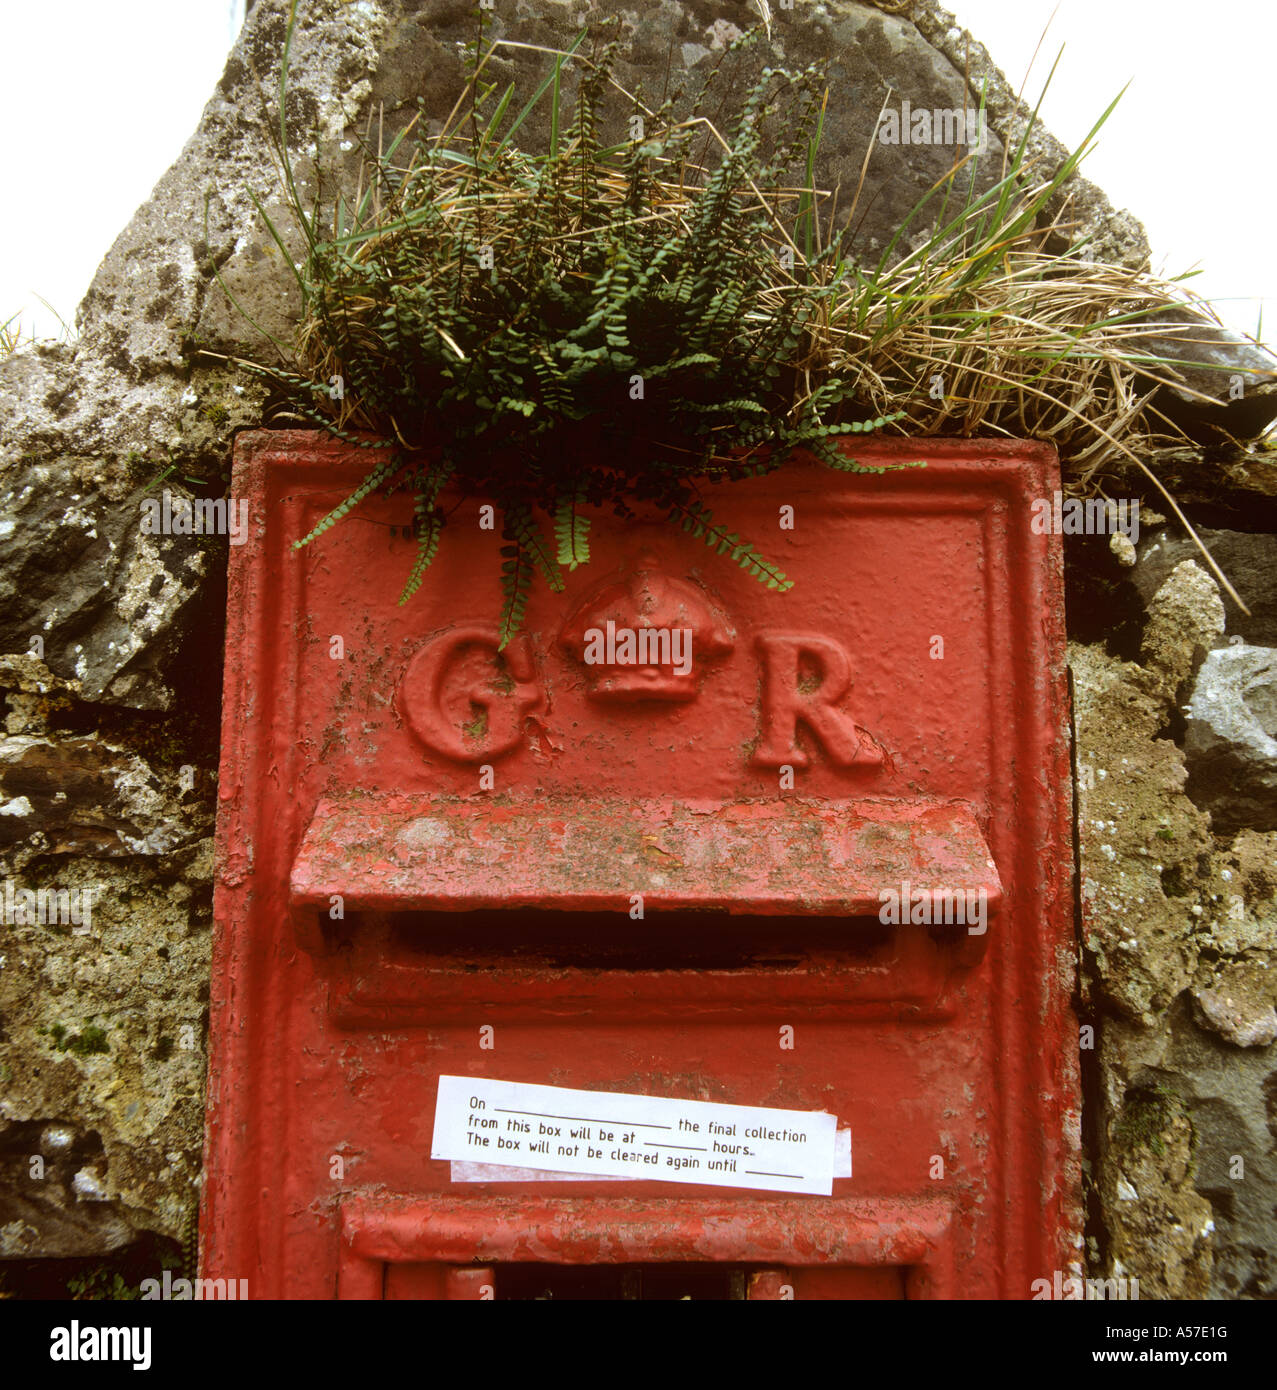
<point x="896" y="720"/>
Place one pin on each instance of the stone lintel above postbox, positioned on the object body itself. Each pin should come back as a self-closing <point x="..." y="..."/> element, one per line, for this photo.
<point x="795" y="857"/>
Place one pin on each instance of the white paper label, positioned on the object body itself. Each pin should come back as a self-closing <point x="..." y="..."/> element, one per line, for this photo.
<point x="610" y="1133"/>
<point x="465" y="1171"/>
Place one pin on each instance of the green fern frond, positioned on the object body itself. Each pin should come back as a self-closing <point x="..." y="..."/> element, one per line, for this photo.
<point x="868" y="426"/>
<point x="693" y="359"/>
<point x="428" y="524"/>
<point x="516" y="585"/>
<point x="828" y="451"/>
<point x="572" y="530"/>
<point x="521" y="528"/>
<point x="487" y="306"/>
<point x="377" y="478"/>
<point x="697" y="519"/>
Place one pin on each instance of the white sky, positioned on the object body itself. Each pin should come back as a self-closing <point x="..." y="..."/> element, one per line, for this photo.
<point x="1189" y="149"/>
<point x="102" y="94"/>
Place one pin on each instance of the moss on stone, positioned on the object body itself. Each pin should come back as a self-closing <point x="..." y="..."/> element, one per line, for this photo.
<point x="89" y="1040"/>
<point x="1145" y="1118"/>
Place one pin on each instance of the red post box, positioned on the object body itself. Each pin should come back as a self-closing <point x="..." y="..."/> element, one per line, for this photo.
<point x="683" y="838"/>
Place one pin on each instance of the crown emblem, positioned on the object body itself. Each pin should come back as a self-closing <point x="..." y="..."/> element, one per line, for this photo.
<point x="646" y="637"/>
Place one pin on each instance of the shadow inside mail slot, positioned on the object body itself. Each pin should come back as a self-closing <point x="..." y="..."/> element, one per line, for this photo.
<point x="673" y="940"/>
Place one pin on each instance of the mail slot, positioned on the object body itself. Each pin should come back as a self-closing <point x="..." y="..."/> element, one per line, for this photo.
<point x="682" y="838"/>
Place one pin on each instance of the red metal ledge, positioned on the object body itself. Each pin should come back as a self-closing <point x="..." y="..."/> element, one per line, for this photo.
<point x="810" y="1233"/>
<point x="792" y="857"/>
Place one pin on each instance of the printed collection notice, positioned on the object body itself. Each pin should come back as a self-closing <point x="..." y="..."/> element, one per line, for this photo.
<point x="612" y="1134"/>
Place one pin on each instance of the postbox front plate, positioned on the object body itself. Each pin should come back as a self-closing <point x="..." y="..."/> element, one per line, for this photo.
<point x="896" y="721"/>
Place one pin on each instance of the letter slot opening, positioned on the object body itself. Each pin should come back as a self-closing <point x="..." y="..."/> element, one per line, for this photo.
<point x="554" y="939"/>
<point x="750" y="902"/>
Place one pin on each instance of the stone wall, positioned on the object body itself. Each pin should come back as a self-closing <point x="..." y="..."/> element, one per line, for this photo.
<point x="1177" y="821"/>
<point x="110" y="662"/>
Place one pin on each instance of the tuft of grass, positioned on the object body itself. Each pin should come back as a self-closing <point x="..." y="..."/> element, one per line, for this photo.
<point x="595" y="325"/>
<point x="1021" y="343"/>
<point x="10" y="335"/>
<point x="602" y="325"/>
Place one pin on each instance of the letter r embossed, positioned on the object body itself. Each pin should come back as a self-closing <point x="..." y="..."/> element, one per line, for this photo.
<point x="786" y="703"/>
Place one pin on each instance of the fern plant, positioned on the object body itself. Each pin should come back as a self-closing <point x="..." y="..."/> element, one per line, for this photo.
<point x="587" y="326"/>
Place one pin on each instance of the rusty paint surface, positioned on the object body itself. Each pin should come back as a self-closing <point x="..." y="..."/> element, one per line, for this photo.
<point x="325" y="1049"/>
